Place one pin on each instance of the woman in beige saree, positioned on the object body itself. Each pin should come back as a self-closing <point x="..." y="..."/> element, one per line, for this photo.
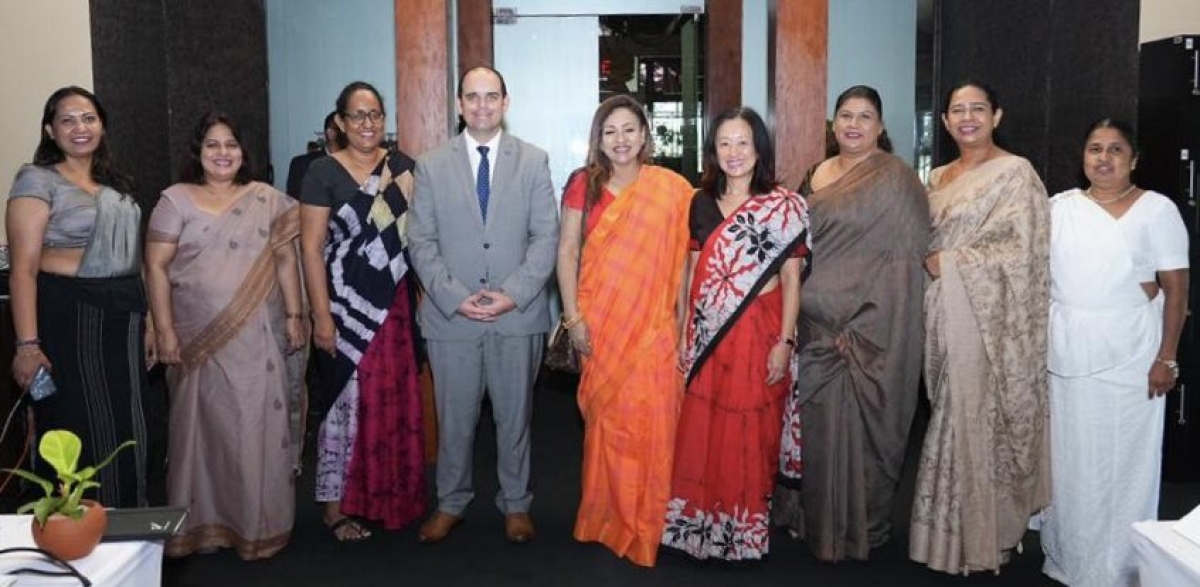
<point x="984" y="467"/>
<point x="224" y="288"/>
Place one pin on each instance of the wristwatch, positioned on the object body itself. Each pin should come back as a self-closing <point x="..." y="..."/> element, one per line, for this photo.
<point x="1172" y="365"/>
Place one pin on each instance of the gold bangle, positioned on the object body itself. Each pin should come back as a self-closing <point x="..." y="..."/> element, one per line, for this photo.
<point x="569" y="323"/>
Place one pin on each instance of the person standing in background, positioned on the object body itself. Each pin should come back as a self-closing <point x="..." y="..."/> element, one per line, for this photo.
<point x="334" y="141"/>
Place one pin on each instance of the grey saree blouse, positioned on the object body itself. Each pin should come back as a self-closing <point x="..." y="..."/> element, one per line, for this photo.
<point x="106" y="225"/>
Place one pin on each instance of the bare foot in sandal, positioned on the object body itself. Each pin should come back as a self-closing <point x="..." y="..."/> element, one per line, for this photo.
<point x="344" y="528"/>
<point x="348" y="529"/>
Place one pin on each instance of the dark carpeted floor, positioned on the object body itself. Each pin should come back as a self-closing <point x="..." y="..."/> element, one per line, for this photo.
<point x="476" y="553"/>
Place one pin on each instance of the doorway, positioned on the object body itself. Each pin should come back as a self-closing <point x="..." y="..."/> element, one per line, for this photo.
<point x="561" y="62"/>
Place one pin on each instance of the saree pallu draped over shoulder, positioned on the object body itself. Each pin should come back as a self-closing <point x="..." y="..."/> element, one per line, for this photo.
<point x="727" y="446"/>
<point x="230" y="436"/>
<point x="370" y="447"/>
<point x="630" y="388"/>
<point x="984" y="465"/>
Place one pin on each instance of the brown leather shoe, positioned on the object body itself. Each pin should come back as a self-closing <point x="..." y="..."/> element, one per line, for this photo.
<point x="518" y="528"/>
<point x="437" y="527"/>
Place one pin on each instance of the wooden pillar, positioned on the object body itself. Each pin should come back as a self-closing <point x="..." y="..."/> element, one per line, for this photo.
<point x="474" y="34"/>
<point x="797" y="62"/>
<point x="423" y="116"/>
<point x="723" y="56"/>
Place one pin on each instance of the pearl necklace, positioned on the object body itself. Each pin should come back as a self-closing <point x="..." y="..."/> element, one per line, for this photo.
<point x="1116" y="198"/>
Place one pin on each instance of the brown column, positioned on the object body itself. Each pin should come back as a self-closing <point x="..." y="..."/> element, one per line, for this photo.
<point x="474" y="34"/>
<point x="723" y="56"/>
<point x="422" y="74"/>
<point x="423" y="116"/>
<point x="799" y="31"/>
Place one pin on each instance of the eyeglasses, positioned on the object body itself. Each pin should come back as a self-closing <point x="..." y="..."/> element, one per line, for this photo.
<point x="357" y="118"/>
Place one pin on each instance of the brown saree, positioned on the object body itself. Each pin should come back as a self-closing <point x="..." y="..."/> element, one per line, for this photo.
<point x="870" y="233"/>
<point x="230" y="437"/>
<point x="985" y="463"/>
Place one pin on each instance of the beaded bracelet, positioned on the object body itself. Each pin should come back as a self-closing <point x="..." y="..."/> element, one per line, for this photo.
<point x="29" y="342"/>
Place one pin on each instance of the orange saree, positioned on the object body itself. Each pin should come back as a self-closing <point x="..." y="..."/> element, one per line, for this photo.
<point x="630" y="389"/>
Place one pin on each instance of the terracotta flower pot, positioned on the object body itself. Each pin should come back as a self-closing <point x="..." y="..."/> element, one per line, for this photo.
<point x="71" y="539"/>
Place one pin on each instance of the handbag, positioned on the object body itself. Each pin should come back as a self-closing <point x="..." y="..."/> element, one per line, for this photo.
<point x="561" y="354"/>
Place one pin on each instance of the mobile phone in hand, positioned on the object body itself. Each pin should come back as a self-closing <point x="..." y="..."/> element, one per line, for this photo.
<point x="42" y="386"/>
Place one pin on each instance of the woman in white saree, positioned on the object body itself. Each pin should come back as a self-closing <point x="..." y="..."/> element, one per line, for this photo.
<point x="1119" y="275"/>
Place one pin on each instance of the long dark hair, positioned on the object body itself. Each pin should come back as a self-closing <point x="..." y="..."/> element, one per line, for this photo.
<point x="48" y="153"/>
<point x="762" y="181"/>
<point x="871" y="95"/>
<point x="599" y="168"/>
<point x="192" y="170"/>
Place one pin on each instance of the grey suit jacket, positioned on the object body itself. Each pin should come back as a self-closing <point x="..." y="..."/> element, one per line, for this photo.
<point x="454" y="252"/>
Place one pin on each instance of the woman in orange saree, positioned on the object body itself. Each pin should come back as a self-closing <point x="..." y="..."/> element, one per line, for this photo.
<point x="622" y="303"/>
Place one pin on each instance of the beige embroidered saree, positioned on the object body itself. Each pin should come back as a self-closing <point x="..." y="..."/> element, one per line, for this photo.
<point x="984" y="466"/>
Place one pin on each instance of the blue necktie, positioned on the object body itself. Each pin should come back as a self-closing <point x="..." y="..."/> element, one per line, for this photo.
<point x="483" y="187"/>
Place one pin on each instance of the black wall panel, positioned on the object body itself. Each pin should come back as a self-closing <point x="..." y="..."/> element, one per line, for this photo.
<point x="1057" y="65"/>
<point x="160" y="64"/>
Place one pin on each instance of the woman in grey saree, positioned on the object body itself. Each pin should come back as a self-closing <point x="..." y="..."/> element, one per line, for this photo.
<point x="859" y="337"/>
<point x="225" y="291"/>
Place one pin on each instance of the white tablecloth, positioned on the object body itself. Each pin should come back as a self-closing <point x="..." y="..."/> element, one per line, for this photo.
<point x="1165" y="558"/>
<point x="112" y="564"/>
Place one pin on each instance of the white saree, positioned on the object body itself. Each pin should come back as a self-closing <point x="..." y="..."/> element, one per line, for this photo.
<point x="1106" y="434"/>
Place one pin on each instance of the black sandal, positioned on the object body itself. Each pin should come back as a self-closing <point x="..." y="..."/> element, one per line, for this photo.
<point x="357" y="533"/>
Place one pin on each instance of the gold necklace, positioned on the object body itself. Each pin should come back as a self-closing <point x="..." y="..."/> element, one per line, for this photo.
<point x="1119" y="197"/>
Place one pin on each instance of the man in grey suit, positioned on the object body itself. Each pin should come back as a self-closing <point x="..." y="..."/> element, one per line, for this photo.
<point x="483" y="238"/>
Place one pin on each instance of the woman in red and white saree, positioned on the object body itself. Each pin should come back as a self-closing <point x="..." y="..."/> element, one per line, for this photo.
<point x="749" y="243"/>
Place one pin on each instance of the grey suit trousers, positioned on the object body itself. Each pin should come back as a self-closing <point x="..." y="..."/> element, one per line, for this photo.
<point x="504" y="367"/>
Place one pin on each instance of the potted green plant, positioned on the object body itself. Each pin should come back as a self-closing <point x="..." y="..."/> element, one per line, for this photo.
<point x="64" y="523"/>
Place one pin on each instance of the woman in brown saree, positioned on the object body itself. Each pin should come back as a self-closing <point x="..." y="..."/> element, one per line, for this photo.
<point x="224" y="287"/>
<point x="985" y="463"/>
<point x="859" y="337"/>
